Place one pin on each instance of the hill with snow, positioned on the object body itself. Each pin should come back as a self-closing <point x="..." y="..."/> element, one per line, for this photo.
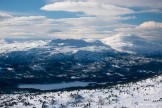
<point x="118" y="43"/>
<point x="132" y="44"/>
<point x="7" y="47"/>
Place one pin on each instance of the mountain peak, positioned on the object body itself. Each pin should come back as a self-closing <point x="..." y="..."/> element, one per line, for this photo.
<point x="132" y="44"/>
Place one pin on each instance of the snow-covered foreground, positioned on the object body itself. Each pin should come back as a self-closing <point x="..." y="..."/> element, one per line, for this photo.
<point x="146" y="93"/>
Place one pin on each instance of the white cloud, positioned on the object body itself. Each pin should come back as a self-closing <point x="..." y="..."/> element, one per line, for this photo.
<point x="100" y="18"/>
<point x="41" y="26"/>
<point x="89" y="8"/>
<point x="23" y="20"/>
<point x="150" y="24"/>
<point x="128" y="3"/>
<point x="25" y="26"/>
<point x="150" y="30"/>
<point x="4" y="16"/>
<point x="150" y="11"/>
<point x="133" y="3"/>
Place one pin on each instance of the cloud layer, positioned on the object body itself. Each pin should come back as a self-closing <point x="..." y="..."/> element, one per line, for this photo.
<point x="89" y="8"/>
<point x="99" y="19"/>
<point x="130" y="3"/>
<point x="150" y="30"/>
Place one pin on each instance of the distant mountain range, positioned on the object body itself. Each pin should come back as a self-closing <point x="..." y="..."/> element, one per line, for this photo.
<point x="119" y="43"/>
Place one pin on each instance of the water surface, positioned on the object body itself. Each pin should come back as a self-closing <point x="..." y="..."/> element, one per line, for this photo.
<point x="55" y="86"/>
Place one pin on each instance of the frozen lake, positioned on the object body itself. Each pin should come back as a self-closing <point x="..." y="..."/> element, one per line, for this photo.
<point x="55" y="86"/>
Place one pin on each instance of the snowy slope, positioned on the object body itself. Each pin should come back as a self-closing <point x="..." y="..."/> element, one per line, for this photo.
<point x="132" y="44"/>
<point x="121" y="43"/>
<point x="146" y="93"/>
<point x="20" y="46"/>
<point x="53" y="46"/>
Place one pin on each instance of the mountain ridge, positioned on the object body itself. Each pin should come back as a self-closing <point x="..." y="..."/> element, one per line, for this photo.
<point x="118" y="43"/>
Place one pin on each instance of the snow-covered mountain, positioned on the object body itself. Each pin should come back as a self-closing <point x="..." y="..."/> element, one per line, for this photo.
<point x="132" y="44"/>
<point x="6" y="47"/>
<point x="118" y="43"/>
<point x="66" y="46"/>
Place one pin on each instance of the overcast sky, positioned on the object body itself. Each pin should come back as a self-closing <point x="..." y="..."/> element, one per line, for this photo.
<point x="80" y="18"/>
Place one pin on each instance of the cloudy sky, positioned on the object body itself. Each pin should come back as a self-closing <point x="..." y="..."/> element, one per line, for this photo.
<point x="80" y="18"/>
